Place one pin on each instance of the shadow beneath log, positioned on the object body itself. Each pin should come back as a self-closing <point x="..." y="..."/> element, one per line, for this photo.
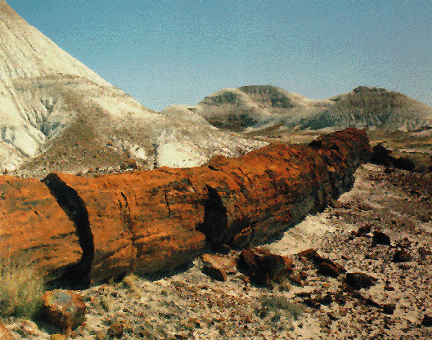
<point x="77" y="275"/>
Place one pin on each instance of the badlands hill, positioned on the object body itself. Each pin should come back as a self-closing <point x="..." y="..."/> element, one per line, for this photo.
<point x="257" y="107"/>
<point x="58" y="115"/>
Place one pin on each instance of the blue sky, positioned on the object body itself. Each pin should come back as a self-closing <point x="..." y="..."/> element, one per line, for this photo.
<point x="177" y="52"/>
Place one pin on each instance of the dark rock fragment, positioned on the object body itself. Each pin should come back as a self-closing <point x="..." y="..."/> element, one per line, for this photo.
<point x="360" y="280"/>
<point x="116" y="330"/>
<point x="364" y="230"/>
<point x="324" y="265"/>
<point x="401" y="256"/>
<point x="423" y="252"/>
<point x="312" y="303"/>
<point x="64" y="309"/>
<point x="427" y="321"/>
<point x="263" y="266"/>
<point x="389" y="308"/>
<point x="372" y="303"/>
<point x="380" y="155"/>
<point x="325" y="300"/>
<point x="380" y="238"/>
<point x="218" y="266"/>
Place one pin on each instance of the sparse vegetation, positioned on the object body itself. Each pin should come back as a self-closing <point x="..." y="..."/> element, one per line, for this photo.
<point x="21" y="289"/>
<point x="281" y="303"/>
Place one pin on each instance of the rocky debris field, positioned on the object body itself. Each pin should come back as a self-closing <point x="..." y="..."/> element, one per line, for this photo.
<point x="368" y="277"/>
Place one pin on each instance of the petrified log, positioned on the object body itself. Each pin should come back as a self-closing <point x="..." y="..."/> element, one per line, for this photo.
<point x="34" y="230"/>
<point x="155" y="220"/>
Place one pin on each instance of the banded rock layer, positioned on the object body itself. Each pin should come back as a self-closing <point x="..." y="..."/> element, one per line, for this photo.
<point x="155" y="220"/>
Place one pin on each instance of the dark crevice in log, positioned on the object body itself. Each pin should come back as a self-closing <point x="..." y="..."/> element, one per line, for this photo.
<point x="127" y="221"/>
<point x="77" y="275"/>
<point x="215" y="217"/>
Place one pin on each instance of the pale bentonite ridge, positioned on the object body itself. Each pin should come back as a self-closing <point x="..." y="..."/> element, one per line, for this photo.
<point x="58" y="115"/>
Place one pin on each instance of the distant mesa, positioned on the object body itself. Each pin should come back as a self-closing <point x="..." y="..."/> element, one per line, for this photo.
<point x="256" y="107"/>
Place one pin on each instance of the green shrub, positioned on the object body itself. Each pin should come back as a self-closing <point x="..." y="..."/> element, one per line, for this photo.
<point x="21" y="289"/>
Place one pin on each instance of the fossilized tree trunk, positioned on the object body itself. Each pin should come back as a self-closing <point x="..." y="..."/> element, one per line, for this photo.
<point x="77" y="228"/>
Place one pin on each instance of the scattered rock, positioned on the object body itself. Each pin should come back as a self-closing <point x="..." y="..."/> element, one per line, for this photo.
<point x="339" y="298"/>
<point x="218" y="266"/>
<point x="427" y="321"/>
<point x="380" y="238"/>
<point x="372" y="303"/>
<point x="364" y="230"/>
<point x="29" y="328"/>
<point x="225" y="262"/>
<point x="310" y="302"/>
<point x="332" y="316"/>
<point x="263" y="266"/>
<point x="380" y="155"/>
<point x="325" y="266"/>
<point x="423" y="252"/>
<point x="360" y="280"/>
<point x="405" y="266"/>
<point x="116" y="330"/>
<point x="401" y="256"/>
<point x="297" y="279"/>
<point x="326" y="299"/>
<point x="389" y="308"/>
<point x="64" y="309"/>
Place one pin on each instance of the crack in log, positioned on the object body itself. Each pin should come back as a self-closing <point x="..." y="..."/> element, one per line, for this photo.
<point x="76" y="275"/>
<point x="167" y="201"/>
<point x="127" y="220"/>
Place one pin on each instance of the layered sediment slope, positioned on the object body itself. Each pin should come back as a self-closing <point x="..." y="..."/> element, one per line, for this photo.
<point x="255" y="107"/>
<point x="58" y="115"/>
<point x="155" y="220"/>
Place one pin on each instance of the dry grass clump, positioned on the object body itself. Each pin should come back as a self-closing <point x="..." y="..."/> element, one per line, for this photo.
<point x="21" y="289"/>
<point x="281" y="303"/>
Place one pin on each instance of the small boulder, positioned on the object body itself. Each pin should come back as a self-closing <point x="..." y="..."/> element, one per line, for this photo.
<point x="324" y="265"/>
<point x="380" y="155"/>
<point x="380" y="238"/>
<point x="263" y="266"/>
<point x="364" y="230"/>
<point x="64" y="309"/>
<point x="423" y="252"/>
<point x="116" y="330"/>
<point x="401" y="256"/>
<point x="325" y="300"/>
<point x="389" y="308"/>
<point x="427" y="321"/>
<point x="29" y="328"/>
<point x="330" y="268"/>
<point x="218" y="266"/>
<point x="360" y="280"/>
